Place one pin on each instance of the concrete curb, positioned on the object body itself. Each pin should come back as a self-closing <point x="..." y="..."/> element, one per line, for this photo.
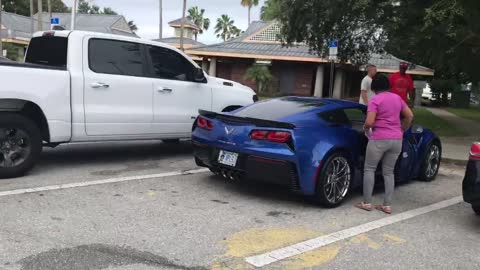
<point x="456" y="162"/>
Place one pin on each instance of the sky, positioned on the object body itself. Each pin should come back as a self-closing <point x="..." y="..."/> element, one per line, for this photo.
<point x="145" y="14"/>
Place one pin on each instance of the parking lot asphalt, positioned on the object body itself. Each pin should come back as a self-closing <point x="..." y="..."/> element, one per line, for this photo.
<point x="198" y="221"/>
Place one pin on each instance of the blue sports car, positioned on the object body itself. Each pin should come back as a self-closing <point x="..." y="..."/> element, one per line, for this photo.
<point x="314" y="146"/>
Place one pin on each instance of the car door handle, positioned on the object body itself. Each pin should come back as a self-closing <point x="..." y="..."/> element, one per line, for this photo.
<point x="99" y="85"/>
<point x="165" y="90"/>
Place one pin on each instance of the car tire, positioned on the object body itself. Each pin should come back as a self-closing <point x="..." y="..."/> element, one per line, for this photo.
<point x="427" y="172"/>
<point x="476" y="209"/>
<point x="20" y="145"/>
<point x="325" y="187"/>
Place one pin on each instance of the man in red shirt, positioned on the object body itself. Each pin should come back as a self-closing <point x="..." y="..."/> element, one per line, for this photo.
<point x="402" y="84"/>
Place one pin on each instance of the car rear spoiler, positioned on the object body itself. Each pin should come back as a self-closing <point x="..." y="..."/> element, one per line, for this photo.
<point x="246" y="120"/>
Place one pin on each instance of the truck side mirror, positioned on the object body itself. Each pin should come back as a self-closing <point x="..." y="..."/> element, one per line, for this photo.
<point x="198" y="75"/>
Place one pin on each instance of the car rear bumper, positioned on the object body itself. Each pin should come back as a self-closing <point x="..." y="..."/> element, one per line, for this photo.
<point x="471" y="183"/>
<point x="253" y="167"/>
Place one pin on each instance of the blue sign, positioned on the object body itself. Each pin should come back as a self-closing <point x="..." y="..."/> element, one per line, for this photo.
<point x="333" y="44"/>
<point x="54" y="21"/>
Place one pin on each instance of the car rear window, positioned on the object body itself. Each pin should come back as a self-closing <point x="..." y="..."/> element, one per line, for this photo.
<point x="48" y="50"/>
<point x="278" y="108"/>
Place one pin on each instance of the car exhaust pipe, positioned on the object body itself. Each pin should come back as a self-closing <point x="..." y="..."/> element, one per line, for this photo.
<point x="224" y="174"/>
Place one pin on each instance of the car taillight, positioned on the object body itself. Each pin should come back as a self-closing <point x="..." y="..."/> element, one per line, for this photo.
<point x="475" y="151"/>
<point x="271" y="136"/>
<point x="204" y="123"/>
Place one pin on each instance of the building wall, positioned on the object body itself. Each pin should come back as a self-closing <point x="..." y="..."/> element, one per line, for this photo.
<point x="302" y="74"/>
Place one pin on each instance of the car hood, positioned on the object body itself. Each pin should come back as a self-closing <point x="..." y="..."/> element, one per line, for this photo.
<point x="223" y="83"/>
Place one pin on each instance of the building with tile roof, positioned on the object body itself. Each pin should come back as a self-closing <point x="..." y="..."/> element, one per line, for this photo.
<point x="188" y="33"/>
<point x="295" y="69"/>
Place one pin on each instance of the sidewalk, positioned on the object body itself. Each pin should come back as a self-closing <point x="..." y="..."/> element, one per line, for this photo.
<point x="457" y="148"/>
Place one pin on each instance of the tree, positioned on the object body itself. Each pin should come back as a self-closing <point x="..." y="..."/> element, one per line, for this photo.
<point x="22" y="7"/>
<point x="354" y="24"/>
<point x="441" y="34"/>
<point x="225" y="28"/>
<point x="197" y="16"/>
<point x="132" y="26"/>
<point x="270" y="10"/>
<point x="235" y="31"/>
<point x="84" y="7"/>
<point x="259" y="74"/>
<point x="108" y="11"/>
<point x="249" y="4"/>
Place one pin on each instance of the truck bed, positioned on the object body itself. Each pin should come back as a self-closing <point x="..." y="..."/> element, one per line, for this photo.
<point x="29" y="65"/>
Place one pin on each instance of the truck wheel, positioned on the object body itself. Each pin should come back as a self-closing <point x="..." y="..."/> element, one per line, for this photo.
<point x="20" y="145"/>
<point x="476" y="209"/>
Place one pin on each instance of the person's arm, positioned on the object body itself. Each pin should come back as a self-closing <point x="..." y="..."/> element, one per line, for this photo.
<point x="407" y="117"/>
<point x="371" y="114"/>
<point x="411" y="91"/>
<point x="370" y="120"/>
<point x="363" y="93"/>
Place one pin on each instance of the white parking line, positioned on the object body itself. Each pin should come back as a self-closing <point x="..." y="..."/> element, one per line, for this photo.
<point x="99" y="182"/>
<point x="299" y="248"/>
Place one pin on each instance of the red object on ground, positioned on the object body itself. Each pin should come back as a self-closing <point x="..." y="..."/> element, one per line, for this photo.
<point x="401" y="85"/>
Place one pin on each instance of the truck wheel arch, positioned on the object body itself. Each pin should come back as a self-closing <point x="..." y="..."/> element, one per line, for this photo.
<point x="30" y="110"/>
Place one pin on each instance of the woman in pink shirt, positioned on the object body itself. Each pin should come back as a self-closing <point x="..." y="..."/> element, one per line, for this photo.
<point x="385" y="132"/>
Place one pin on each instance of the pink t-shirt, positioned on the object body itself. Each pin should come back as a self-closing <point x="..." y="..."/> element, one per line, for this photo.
<point x="387" y="125"/>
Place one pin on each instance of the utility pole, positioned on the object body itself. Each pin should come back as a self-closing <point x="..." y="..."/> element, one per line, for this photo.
<point x="49" y="3"/>
<point x="40" y="15"/>
<point x="1" y="10"/>
<point x="74" y="11"/>
<point x="32" y="20"/>
<point x="182" y="24"/>
<point x="160" y="26"/>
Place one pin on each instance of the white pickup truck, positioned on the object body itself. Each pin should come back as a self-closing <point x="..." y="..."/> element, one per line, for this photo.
<point x="91" y="87"/>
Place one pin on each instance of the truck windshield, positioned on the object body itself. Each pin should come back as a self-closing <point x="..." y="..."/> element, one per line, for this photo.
<point x="48" y="50"/>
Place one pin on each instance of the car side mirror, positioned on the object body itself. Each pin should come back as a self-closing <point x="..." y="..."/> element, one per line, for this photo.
<point x="416" y="129"/>
<point x="198" y="75"/>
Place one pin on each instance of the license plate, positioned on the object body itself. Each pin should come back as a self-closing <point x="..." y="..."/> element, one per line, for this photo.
<point x="227" y="158"/>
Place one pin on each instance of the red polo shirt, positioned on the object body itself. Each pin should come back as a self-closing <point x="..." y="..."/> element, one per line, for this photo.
<point x="401" y="85"/>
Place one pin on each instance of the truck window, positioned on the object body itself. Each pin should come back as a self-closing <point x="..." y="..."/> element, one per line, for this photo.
<point x="48" y="50"/>
<point x="115" y="57"/>
<point x="170" y="65"/>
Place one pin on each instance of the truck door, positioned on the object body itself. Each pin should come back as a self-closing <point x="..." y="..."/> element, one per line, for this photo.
<point x="176" y="96"/>
<point x="117" y="92"/>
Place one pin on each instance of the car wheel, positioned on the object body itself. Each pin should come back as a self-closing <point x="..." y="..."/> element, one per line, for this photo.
<point x="476" y="209"/>
<point x="20" y="145"/>
<point x="431" y="162"/>
<point x="334" y="181"/>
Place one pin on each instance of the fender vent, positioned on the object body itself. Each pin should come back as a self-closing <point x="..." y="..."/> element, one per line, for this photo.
<point x="228" y="83"/>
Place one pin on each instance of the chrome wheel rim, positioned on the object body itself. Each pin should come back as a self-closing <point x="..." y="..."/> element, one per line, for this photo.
<point x="14" y="147"/>
<point x="433" y="160"/>
<point x="337" y="183"/>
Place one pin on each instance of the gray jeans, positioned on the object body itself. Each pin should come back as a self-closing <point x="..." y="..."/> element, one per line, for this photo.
<point x="387" y="151"/>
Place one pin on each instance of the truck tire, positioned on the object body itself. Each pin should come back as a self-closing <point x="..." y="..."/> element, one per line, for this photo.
<point x="20" y="145"/>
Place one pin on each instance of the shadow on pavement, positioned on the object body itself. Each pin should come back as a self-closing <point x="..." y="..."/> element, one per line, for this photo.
<point x="113" y="152"/>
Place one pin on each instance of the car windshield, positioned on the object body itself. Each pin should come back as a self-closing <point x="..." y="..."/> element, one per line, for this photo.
<point x="278" y="108"/>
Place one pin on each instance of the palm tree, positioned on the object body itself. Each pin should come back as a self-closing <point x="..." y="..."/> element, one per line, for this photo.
<point x="132" y="26"/>
<point x="249" y="4"/>
<point x="259" y="74"/>
<point x="196" y="15"/>
<point x="224" y="26"/>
